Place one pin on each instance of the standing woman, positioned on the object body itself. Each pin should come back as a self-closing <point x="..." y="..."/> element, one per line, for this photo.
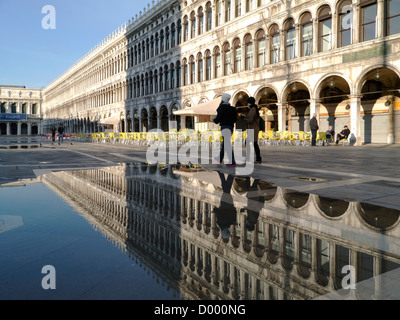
<point x="253" y="123"/>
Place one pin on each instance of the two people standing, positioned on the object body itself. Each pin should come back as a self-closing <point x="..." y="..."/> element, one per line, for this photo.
<point x="227" y="118"/>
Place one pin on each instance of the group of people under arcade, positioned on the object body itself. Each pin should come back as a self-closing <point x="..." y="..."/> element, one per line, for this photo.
<point x="227" y="117"/>
<point x="330" y="133"/>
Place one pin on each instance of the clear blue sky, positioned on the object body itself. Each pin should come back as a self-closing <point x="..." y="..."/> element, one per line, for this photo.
<point x="33" y="56"/>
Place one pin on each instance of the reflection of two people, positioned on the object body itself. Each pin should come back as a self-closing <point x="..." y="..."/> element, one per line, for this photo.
<point x="226" y="212"/>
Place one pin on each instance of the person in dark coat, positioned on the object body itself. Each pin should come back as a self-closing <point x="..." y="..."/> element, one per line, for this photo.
<point x="314" y="129"/>
<point x="253" y="123"/>
<point x="344" y="134"/>
<point x="226" y="118"/>
<point x="53" y="133"/>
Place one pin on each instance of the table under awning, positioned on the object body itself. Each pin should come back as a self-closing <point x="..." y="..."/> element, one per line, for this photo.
<point x="114" y="120"/>
<point x="208" y="108"/>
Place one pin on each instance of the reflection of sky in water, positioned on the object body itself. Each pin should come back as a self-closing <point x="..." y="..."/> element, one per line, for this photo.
<point x="87" y="265"/>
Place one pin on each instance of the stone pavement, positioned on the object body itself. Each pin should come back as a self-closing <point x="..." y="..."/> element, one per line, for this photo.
<point x="369" y="173"/>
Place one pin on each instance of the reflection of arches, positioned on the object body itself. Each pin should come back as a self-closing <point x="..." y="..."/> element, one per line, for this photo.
<point x="378" y="217"/>
<point x="295" y="199"/>
<point x="331" y="207"/>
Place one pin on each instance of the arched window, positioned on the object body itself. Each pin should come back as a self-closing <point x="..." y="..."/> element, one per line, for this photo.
<point x="192" y="70"/>
<point x="227" y="59"/>
<point x="250" y="5"/>
<point x="290" y="40"/>
<point x="185" y="29"/>
<point x="167" y="39"/>
<point x="178" y="74"/>
<point x="368" y="20"/>
<point x="217" y="63"/>
<point x="228" y="4"/>
<point x="157" y="43"/>
<point x="200" y="14"/>
<point x="261" y="49"/>
<point x="306" y="29"/>
<point x="156" y="88"/>
<point x="173" y="35"/>
<point x="237" y="56"/>
<point x="238" y="9"/>
<point x="249" y="52"/>
<point x="218" y="13"/>
<point x="207" y="56"/>
<point x="161" y="41"/>
<point x="179" y="32"/>
<point x="152" y="46"/>
<point x="193" y="22"/>
<point x="151" y="82"/>
<point x="392" y="17"/>
<point x="161" y="80"/>
<point x="185" y="73"/>
<point x="147" y="49"/>
<point x="275" y="43"/>
<point x="139" y="54"/>
<point x="200" y="69"/>
<point x="345" y="11"/>
<point x="166" y="78"/>
<point x="208" y="16"/>
<point x="325" y="29"/>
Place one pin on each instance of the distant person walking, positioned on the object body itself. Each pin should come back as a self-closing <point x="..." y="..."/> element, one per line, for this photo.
<point x="53" y="133"/>
<point x="226" y="118"/>
<point x="60" y="133"/>
<point x="314" y="129"/>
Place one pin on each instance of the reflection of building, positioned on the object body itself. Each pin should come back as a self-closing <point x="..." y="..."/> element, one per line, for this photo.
<point x="20" y="110"/>
<point x="337" y="58"/>
<point x="296" y="251"/>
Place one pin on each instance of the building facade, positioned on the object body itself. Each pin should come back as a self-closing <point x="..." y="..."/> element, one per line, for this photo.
<point x="337" y="58"/>
<point x="20" y="112"/>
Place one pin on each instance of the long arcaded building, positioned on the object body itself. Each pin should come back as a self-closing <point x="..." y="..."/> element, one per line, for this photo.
<point x="339" y="59"/>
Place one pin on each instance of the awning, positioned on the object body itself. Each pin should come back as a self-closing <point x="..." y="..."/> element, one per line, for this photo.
<point x="114" y="120"/>
<point x="208" y="108"/>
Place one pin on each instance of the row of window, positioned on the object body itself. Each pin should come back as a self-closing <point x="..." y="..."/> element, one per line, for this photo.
<point x="13" y="108"/>
<point x="322" y="29"/>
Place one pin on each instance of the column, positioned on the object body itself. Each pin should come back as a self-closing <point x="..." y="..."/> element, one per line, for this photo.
<point x="391" y="123"/>
<point x="355" y="108"/>
<point x="356" y="23"/>
<point x="158" y="122"/>
<point x="298" y="41"/>
<point x="19" y="128"/>
<point x="281" y="116"/>
<point x="334" y="29"/>
<point x="315" y="36"/>
<point x="8" y="129"/>
<point x="378" y="278"/>
<point x="30" y="129"/>
<point x="380" y="21"/>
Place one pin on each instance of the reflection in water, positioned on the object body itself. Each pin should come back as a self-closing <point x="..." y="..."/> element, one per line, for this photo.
<point x="8" y="223"/>
<point x="217" y="236"/>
